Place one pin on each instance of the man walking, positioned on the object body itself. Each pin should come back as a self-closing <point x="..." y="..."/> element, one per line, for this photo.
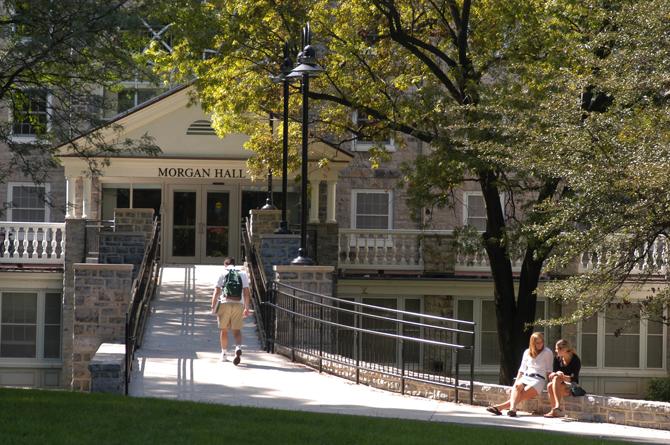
<point x="230" y="303"/>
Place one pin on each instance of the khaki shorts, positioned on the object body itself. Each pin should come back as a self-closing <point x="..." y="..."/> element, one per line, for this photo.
<point x="230" y="316"/>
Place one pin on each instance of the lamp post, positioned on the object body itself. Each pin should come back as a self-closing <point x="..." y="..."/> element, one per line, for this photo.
<point x="269" y="204"/>
<point x="286" y="67"/>
<point x="306" y="68"/>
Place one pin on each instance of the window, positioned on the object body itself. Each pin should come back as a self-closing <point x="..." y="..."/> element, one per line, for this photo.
<point x="372" y="134"/>
<point x="129" y="96"/>
<point x="483" y="313"/>
<point x="371" y="209"/>
<point x="130" y="196"/>
<point x="30" y="325"/>
<point x="619" y="338"/>
<point x="28" y="202"/>
<point x="474" y="211"/>
<point x="29" y="113"/>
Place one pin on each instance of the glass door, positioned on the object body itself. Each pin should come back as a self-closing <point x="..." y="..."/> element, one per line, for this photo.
<point x="199" y="226"/>
<point x="216" y="238"/>
<point x="184" y="225"/>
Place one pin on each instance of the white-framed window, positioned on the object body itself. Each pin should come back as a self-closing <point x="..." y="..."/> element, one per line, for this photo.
<point x="619" y="338"/>
<point x="30" y="324"/>
<point x="474" y="210"/>
<point x="483" y="312"/>
<point x="27" y="202"/>
<point x="362" y="143"/>
<point x="30" y="113"/>
<point x="129" y="96"/>
<point x="371" y="209"/>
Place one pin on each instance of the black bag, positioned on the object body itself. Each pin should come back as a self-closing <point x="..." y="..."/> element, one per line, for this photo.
<point x="577" y="390"/>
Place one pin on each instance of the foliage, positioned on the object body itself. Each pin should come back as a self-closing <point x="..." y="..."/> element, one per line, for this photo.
<point x="521" y="97"/>
<point x="659" y="389"/>
<point x="67" y="50"/>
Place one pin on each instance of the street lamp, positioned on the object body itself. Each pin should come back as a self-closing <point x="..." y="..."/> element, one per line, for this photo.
<point x="306" y="68"/>
<point x="269" y="204"/>
<point x="286" y="66"/>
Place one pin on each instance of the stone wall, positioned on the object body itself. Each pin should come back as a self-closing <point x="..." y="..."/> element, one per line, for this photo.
<point x="323" y="243"/>
<point x="122" y="248"/>
<point x="593" y="408"/>
<point x="74" y="252"/>
<point x="317" y="279"/>
<point x="134" y="220"/>
<point x="263" y="222"/>
<point x="108" y="369"/>
<point x="277" y="250"/>
<point x="439" y="254"/>
<point x="101" y="298"/>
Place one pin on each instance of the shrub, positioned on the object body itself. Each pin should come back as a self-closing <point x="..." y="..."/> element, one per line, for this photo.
<point x="659" y="389"/>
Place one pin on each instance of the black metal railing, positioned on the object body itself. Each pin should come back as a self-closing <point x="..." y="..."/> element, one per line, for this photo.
<point x="143" y="290"/>
<point x="259" y="286"/>
<point x="404" y="346"/>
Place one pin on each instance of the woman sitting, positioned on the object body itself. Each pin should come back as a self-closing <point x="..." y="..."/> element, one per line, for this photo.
<point x="566" y="371"/>
<point x="532" y="376"/>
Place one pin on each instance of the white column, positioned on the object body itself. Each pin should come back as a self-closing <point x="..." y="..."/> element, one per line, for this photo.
<point x="331" y="196"/>
<point x="86" y="199"/>
<point x="314" y="202"/>
<point x="70" y="187"/>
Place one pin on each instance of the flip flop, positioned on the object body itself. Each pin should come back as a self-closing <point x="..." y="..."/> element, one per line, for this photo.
<point x="494" y="410"/>
<point x="511" y="413"/>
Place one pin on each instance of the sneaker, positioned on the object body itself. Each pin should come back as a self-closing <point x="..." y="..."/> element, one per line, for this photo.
<point x="224" y="356"/>
<point x="238" y="353"/>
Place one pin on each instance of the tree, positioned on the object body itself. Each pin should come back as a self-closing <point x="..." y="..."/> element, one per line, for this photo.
<point x="56" y="58"/>
<point x="492" y="87"/>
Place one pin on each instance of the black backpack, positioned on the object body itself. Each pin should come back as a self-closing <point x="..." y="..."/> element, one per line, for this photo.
<point x="232" y="285"/>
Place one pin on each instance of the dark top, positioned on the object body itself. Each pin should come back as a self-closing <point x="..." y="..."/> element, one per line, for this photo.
<point x="572" y="369"/>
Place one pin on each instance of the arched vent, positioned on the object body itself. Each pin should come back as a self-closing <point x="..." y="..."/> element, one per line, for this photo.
<point x="201" y="127"/>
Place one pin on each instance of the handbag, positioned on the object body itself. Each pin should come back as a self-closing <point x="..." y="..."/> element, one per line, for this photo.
<point x="577" y="390"/>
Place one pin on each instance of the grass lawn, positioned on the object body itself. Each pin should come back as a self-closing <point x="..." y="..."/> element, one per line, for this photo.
<point x="59" y="417"/>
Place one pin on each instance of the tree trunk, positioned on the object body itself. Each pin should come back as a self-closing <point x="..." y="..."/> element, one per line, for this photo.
<point x="513" y="315"/>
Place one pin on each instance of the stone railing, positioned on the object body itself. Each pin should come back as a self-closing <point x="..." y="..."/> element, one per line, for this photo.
<point x="654" y="258"/>
<point x="431" y="251"/>
<point x="28" y="242"/>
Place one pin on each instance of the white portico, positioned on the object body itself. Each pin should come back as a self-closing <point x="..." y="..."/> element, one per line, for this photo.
<point x="198" y="184"/>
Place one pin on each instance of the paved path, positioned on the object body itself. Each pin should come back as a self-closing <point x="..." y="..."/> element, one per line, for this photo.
<point x="180" y="360"/>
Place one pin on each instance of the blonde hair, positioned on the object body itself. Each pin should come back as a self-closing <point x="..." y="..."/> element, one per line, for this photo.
<point x="565" y="345"/>
<point x="532" y="350"/>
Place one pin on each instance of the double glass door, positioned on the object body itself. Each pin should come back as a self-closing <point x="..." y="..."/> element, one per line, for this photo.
<point x="200" y="225"/>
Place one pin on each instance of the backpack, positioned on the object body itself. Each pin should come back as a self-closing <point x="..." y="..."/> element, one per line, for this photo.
<point x="232" y="285"/>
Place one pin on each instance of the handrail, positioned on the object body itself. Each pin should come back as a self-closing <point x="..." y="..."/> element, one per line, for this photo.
<point x="403" y="345"/>
<point x="143" y="290"/>
<point x="259" y="286"/>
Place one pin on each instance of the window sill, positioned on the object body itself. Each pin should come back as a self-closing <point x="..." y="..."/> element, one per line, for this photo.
<point x="30" y="363"/>
<point x="366" y="146"/>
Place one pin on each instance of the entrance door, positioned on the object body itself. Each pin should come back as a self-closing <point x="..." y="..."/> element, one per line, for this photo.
<point x="200" y="230"/>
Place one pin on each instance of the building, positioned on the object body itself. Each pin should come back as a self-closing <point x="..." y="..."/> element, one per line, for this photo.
<point x="201" y="190"/>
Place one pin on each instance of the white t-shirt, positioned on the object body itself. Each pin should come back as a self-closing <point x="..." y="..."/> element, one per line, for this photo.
<point x="543" y="364"/>
<point x="245" y="284"/>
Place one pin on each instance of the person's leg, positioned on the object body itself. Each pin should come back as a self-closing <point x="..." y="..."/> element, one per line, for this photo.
<point x="520" y="396"/>
<point x="237" y="321"/>
<point x="562" y="390"/>
<point x="237" y="335"/>
<point x="550" y="391"/>
<point x="224" y="339"/>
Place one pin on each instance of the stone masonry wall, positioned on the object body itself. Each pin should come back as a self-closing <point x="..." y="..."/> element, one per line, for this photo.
<point x="134" y="220"/>
<point x="592" y="408"/>
<point x="75" y="252"/>
<point x="101" y="298"/>
<point x="122" y="248"/>
<point x="317" y="279"/>
<point x="323" y="243"/>
<point x="108" y="368"/>
<point x="277" y="250"/>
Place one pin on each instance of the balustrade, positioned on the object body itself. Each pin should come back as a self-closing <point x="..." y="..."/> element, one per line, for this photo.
<point x="29" y="242"/>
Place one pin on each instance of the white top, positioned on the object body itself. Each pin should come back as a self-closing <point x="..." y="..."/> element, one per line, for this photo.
<point x="543" y="364"/>
<point x="245" y="283"/>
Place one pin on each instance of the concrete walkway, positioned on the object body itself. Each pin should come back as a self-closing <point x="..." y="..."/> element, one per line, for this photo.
<point x="180" y="360"/>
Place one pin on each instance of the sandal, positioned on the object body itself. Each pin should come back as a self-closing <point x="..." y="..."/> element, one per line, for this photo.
<point x="554" y="412"/>
<point x="511" y="413"/>
<point x="494" y="410"/>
